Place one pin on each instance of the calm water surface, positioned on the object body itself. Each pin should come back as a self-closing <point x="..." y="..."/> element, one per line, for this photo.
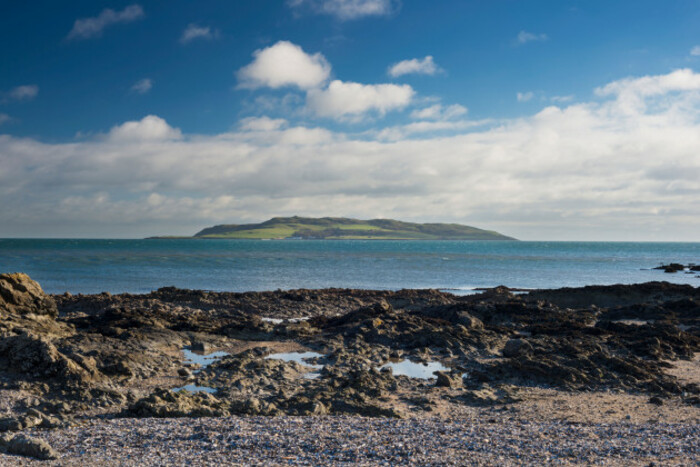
<point x="92" y="266"/>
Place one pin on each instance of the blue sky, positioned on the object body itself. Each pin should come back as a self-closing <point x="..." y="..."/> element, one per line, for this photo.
<point x="540" y="119"/>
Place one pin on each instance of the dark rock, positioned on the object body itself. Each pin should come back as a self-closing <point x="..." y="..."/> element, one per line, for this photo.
<point x="448" y="380"/>
<point x="118" y="368"/>
<point x="516" y="347"/>
<point x="20" y="294"/>
<point x="200" y="347"/>
<point x="671" y="268"/>
<point x="167" y="404"/>
<point x="184" y="372"/>
<point x="656" y="400"/>
<point x="21" y="445"/>
<point x="37" y="357"/>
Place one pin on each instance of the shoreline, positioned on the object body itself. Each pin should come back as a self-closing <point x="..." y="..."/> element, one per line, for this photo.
<point x="285" y="367"/>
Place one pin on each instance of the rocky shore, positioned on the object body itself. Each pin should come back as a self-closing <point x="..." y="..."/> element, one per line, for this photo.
<point x="599" y="374"/>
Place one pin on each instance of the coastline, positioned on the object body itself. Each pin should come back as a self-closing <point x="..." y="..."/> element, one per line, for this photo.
<point x="543" y="376"/>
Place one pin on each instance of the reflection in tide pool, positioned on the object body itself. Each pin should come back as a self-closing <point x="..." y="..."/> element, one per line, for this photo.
<point x="202" y="360"/>
<point x="195" y="388"/>
<point x="415" y="370"/>
<point x="299" y="357"/>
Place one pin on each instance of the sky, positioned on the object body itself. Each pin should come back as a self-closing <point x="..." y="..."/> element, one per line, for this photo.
<point x="543" y="120"/>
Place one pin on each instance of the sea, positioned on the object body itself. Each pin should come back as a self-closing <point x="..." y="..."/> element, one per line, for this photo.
<point x="461" y="267"/>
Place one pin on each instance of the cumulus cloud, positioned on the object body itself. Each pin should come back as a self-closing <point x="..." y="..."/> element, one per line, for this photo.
<point x="23" y="93"/>
<point x="695" y="51"/>
<point x="86" y="28"/>
<point x="342" y="99"/>
<point x="284" y="64"/>
<point x="633" y="93"/>
<point x="524" y="96"/>
<point x="425" y="66"/>
<point x="194" y="31"/>
<point x="591" y="170"/>
<point x="142" y="86"/>
<point x="439" y="112"/>
<point x="348" y="9"/>
<point x="149" y="128"/>
<point x="524" y="37"/>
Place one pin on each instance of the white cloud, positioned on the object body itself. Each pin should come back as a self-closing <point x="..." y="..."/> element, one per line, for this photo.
<point x="86" y="28"/>
<point x="439" y="112"/>
<point x="594" y="170"/>
<point x="524" y="37"/>
<point x="24" y="93"/>
<point x="679" y="80"/>
<point x="695" y="51"/>
<point x="426" y="66"/>
<point x="342" y="99"/>
<point x="525" y="96"/>
<point x="4" y="118"/>
<point x="632" y="93"/>
<point x="262" y="124"/>
<point x="284" y="64"/>
<point x="348" y="9"/>
<point x="142" y="86"/>
<point x="562" y="99"/>
<point x="194" y="31"/>
<point x="149" y="128"/>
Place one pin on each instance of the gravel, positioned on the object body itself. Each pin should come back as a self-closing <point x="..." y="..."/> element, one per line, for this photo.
<point x="363" y="441"/>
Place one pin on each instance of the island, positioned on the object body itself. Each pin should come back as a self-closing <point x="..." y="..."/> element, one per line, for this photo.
<point x="346" y="229"/>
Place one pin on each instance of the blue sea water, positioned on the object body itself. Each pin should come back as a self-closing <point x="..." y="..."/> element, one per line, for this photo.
<point x="137" y="266"/>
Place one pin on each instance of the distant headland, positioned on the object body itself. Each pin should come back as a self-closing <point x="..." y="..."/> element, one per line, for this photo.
<point x="341" y="228"/>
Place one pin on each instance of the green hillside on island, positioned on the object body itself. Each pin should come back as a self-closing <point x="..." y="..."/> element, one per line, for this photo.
<point x="343" y="228"/>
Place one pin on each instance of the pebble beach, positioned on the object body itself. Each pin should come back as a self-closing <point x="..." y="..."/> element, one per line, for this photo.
<point x="494" y="439"/>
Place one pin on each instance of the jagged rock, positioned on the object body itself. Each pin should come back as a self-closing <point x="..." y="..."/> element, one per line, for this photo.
<point x="19" y="423"/>
<point x="200" y="347"/>
<point x="165" y="404"/>
<point x="516" y="348"/>
<point x="656" y="400"/>
<point x="37" y="357"/>
<point x="20" y="294"/>
<point x="118" y="368"/>
<point x="22" y="445"/>
<point x="448" y="380"/>
<point x="671" y="268"/>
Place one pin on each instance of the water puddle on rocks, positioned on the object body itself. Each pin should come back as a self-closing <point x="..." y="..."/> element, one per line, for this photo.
<point x="301" y="358"/>
<point x="203" y="360"/>
<point x="276" y="321"/>
<point x="415" y="370"/>
<point x="194" y="388"/>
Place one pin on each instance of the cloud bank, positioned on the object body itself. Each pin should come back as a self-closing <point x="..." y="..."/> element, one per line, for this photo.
<point x="603" y="169"/>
